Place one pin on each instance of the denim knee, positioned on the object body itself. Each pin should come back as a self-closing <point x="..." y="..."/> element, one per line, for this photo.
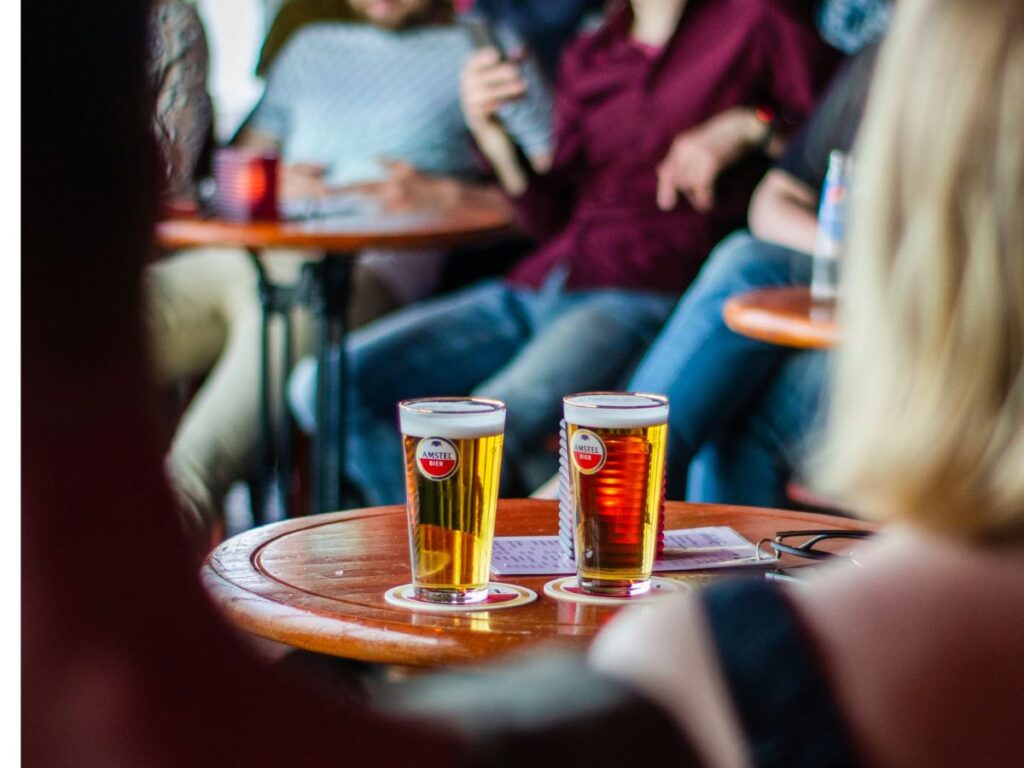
<point x="589" y="346"/>
<point x="742" y="262"/>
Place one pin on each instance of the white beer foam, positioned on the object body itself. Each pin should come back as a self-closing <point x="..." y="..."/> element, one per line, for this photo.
<point x="454" y="418"/>
<point x="615" y="410"/>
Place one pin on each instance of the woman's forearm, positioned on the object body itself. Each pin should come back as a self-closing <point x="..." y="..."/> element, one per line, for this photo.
<point x="501" y="153"/>
<point x="783" y="211"/>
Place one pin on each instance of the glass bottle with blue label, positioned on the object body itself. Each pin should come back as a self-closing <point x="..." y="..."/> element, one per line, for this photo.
<point x="832" y="218"/>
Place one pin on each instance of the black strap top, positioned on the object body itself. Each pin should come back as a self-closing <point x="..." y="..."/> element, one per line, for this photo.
<point x="775" y="678"/>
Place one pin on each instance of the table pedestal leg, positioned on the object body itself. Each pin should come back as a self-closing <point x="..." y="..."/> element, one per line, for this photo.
<point x="327" y="287"/>
<point x="285" y="424"/>
<point x="274" y="444"/>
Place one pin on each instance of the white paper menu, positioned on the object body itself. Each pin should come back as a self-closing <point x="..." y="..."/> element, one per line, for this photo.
<point x="686" y="549"/>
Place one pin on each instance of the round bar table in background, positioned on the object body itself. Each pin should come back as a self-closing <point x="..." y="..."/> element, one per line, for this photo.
<point x="785" y="316"/>
<point x="324" y="288"/>
<point x="318" y="583"/>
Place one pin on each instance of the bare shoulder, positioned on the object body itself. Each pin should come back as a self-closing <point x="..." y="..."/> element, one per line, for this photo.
<point x="924" y="637"/>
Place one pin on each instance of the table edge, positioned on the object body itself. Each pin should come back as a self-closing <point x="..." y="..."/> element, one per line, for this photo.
<point x="771" y="328"/>
<point x="167" y="235"/>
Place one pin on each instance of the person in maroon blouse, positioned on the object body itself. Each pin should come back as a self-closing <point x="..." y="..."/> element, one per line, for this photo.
<point x="664" y="117"/>
<point x="643" y="112"/>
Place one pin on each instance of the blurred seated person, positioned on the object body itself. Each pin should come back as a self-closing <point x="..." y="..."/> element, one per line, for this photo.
<point x="658" y="146"/>
<point x="374" y="107"/>
<point x="373" y="104"/>
<point x="716" y="378"/>
<point x="344" y="98"/>
<point x="909" y="656"/>
<point x="754" y="460"/>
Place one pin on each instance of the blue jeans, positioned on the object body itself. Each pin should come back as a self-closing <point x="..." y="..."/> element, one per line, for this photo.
<point x="715" y="378"/>
<point x="525" y="347"/>
<point x="753" y="464"/>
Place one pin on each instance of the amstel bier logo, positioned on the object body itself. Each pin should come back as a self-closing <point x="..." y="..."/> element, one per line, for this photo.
<point x="588" y="451"/>
<point x="436" y="458"/>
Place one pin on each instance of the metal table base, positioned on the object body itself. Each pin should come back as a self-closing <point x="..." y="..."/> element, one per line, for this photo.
<point x="323" y="288"/>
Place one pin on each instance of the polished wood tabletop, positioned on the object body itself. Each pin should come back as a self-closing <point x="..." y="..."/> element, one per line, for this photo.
<point x="347" y="233"/>
<point x="785" y="316"/>
<point x="318" y="583"/>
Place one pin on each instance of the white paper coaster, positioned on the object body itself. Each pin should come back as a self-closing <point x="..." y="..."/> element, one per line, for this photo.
<point x="499" y="596"/>
<point x="566" y="588"/>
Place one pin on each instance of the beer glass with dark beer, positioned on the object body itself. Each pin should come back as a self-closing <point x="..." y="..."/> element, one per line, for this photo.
<point x="452" y="465"/>
<point x="616" y="445"/>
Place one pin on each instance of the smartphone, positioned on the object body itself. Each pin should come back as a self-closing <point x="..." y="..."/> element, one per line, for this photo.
<point x="482" y="34"/>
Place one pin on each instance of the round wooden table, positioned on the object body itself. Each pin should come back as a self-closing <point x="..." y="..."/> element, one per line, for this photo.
<point x="785" y="316"/>
<point x="348" y="233"/>
<point x="318" y="583"/>
<point x="324" y="289"/>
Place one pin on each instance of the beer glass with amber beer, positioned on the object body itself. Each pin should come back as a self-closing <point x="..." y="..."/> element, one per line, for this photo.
<point x="452" y="465"/>
<point x="616" y="446"/>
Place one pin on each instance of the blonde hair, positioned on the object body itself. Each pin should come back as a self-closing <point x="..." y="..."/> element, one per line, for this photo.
<point x="927" y="417"/>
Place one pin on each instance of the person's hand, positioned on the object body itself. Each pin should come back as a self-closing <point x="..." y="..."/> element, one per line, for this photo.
<point x="487" y="83"/>
<point x="699" y="155"/>
<point x="406" y="189"/>
<point x="302" y="181"/>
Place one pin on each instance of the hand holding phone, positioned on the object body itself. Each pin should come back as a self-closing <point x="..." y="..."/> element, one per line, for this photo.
<point x="489" y="80"/>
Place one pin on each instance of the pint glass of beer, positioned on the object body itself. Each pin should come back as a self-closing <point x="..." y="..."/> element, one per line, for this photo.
<point x="616" y="443"/>
<point x="452" y="465"/>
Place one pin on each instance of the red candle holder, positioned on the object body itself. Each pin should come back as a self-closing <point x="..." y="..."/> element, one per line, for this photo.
<point x="246" y="184"/>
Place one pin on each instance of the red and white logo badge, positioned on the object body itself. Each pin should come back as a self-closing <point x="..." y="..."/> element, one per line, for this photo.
<point x="436" y="458"/>
<point x="588" y="451"/>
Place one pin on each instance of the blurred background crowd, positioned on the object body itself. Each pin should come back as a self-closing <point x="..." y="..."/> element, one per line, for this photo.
<point x="629" y="140"/>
